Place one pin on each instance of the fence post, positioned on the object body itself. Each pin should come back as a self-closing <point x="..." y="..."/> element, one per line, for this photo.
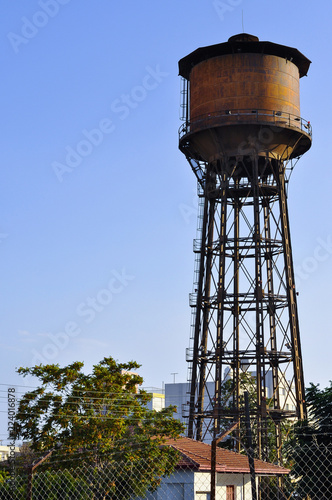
<point x="213" y="469"/>
<point x="31" y="471"/>
<point x="250" y="449"/>
<point x="29" y="488"/>
<point x="214" y="458"/>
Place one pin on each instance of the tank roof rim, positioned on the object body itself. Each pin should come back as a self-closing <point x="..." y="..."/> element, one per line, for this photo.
<point x="234" y="47"/>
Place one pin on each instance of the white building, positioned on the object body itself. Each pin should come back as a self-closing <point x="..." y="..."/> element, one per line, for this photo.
<point x="178" y="394"/>
<point x="158" y="398"/>
<point x="5" y="452"/>
<point x="192" y="477"/>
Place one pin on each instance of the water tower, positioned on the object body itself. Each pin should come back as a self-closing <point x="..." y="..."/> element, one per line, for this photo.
<point x="242" y="135"/>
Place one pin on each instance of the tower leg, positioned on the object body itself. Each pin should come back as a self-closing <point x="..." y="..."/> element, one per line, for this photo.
<point x="291" y="296"/>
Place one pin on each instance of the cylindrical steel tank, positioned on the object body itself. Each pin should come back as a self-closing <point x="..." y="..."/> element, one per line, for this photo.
<point x="244" y="97"/>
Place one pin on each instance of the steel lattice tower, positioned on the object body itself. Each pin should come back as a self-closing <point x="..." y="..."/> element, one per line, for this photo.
<point x="242" y="136"/>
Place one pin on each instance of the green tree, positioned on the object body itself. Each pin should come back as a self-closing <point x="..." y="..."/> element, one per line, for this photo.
<point x="4" y="476"/>
<point x="98" y="420"/>
<point x="309" y="447"/>
<point x="26" y="457"/>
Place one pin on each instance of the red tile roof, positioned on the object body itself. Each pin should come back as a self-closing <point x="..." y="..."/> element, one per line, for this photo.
<point x="197" y="456"/>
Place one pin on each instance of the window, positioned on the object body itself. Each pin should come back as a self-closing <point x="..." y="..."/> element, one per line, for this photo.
<point x="230" y="493"/>
<point x="173" y="491"/>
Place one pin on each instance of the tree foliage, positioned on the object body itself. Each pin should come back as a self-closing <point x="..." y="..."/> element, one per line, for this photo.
<point x="4" y="476"/>
<point x="310" y="446"/>
<point x="97" y="419"/>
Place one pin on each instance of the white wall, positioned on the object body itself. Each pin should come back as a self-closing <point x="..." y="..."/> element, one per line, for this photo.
<point x="240" y="481"/>
<point x="188" y="485"/>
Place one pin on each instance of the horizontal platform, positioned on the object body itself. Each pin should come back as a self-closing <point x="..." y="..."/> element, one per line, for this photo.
<point x="268" y="133"/>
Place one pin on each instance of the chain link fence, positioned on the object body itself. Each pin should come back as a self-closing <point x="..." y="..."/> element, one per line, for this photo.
<point x="310" y="478"/>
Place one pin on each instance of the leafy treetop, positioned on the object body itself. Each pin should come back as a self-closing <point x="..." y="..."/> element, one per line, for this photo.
<point x="93" y="417"/>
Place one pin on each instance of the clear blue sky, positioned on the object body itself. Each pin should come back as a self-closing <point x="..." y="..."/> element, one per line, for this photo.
<point x="96" y="247"/>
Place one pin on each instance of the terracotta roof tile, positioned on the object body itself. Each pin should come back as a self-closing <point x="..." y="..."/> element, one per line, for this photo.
<point x="197" y="455"/>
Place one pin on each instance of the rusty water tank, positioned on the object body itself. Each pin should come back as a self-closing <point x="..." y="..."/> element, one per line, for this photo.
<point x="244" y="98"/>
